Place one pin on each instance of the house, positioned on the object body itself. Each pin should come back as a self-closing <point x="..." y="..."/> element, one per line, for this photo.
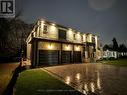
<point x="51" y="43"/>
<point x="109" y="52"/>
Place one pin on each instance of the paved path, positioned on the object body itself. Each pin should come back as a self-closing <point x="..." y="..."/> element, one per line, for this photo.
<point x="93" y="79"/>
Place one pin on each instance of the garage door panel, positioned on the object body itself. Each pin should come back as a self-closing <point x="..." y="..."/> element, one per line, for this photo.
<point x="48" y="57"/>
<point x="66" y="57"/>
<point x="77" y="56"/>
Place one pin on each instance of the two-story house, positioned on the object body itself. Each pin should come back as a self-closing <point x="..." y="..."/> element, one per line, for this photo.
<point x="51" y="43"/>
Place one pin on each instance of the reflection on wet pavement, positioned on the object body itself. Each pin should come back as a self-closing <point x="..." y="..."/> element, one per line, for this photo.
<point x="93" y="79"/>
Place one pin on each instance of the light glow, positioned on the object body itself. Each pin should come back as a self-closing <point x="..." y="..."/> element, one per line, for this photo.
<point x="42" y="21"/>
<point x="84" y="37"/>
<point x="53" y="27"/>
<point x="98" y="81"/>
<point x="92" y="87"/>
<point x="53" y="24"/>
<point x="77" y="48"/>
<point x="96" y="41"/>
<point x="50" y="46"/>
<point x="89" y="38"/>
<point x="67" y="80"/>
<point x="70" y="31"/>
<point x="86" y="87"/>
<point x="78" y="35"/>
<point x="67" y="47"/>
<point x="42" y="25"/>
<point x="78" y="75"/>
<point x="70" y="35"/>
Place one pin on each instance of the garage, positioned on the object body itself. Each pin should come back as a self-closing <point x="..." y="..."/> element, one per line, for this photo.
<point x="48" y="57"/>
<point x="66" y="57"/>
<point x="77" y="56"/>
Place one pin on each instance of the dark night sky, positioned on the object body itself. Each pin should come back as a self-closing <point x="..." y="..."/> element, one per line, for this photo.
<point x="107" y="18"/>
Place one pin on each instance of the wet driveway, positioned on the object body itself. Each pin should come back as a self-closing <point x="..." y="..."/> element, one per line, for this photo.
<point x="93" y="79"/>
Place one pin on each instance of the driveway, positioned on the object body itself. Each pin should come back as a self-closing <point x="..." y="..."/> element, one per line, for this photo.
<point x="93" y="79"/>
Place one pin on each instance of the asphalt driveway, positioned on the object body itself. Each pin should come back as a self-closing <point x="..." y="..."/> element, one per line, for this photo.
<point x="93" y="79"/>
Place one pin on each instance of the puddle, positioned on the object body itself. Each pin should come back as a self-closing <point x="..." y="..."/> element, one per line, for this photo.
<point x="93" y="79"/>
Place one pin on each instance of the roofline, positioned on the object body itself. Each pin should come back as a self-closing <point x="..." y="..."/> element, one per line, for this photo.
<point x="58" y="41"/>
<point x="58" y="25"/>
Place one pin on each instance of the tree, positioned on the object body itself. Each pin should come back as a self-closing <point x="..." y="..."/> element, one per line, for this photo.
<point x="105" y="47"/>
<point x="115" y="44"/>
<point x="122" y="48"/>
<point x="11" y="33"/>
<point x="4" y="30"/>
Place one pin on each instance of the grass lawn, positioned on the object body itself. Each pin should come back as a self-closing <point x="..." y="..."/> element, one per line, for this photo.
<point x="39" y="82"/>
<point x="119" y="62"/>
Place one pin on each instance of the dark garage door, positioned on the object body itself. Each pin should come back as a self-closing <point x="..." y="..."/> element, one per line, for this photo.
<point x="77" y="56"/>
<point x="48" y="57"/>
<point x="66" y="57"/>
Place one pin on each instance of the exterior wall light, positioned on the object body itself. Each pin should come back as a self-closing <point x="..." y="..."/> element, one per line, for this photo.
<point x="67" y="47"/>
<point x="53" y="27"/>
<point x="96" y="43"/>
<point x="42" y="24"/>
<point x="90" y="37"/>
<point x="78" y="35"/>
<point x="77" y="48"/>
<point x="70" y="31"/>
<point x="84" y="38"/>
<point x="70" y="34"/>
<point x="53" y="24"/>
<point x="42" y="21"/>
<point x="50" y="46"/>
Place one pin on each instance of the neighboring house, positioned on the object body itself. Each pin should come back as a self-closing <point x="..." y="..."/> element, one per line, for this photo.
<point x="50" y="43"/>
<point x="108" y="52"/>
<point x="121" y="54"/>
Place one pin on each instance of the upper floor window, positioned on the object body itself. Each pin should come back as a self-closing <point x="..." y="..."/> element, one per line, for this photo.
<point x="81" y="37"/>
<point x="45" y="30"/>
<point x="62" y="34"/>
<point x="93" y="39"/>
<point x="74" y="36"/>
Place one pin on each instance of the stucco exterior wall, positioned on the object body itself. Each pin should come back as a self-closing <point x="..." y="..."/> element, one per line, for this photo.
<point x="48" y="46"/>
<point x="28" y="51"/>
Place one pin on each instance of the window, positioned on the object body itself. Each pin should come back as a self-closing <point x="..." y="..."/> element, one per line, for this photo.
<point x="93" y="39"/>
<point x="62" y="34"/>
<point x="84" y="49"/>
<point x="81" y="37"/>
<point x="74" y="36"/>
<point x="45" y="30"/>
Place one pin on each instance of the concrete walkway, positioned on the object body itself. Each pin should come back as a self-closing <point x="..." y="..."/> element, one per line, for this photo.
<point x="93" y="79"/>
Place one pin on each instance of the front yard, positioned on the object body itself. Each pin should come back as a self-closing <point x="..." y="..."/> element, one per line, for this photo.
<point x="39" y="82"/>
<point x="118" y="62"/>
